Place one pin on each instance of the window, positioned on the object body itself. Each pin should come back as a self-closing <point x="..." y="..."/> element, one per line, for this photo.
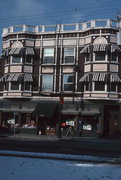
<point x="14" y="86"/>
<point x="100" y="56"/>
<point x="69" y="55"/>
<point x="28" y="60"/>
<point x="86" y="86"/>
<point x="48" y="57"/>
<point x="16" y="59"/>
<point x="47" y="83"/>
<point x="114" y="57"/>
<point x="99" y="86"/>
<point x="113" y="87"/>
<point x="68" y="82"/>
<point x="27" y="86"/>
<point x="87" y="57"/>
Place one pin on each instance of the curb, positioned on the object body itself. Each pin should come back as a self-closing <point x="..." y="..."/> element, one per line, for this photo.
<point x="65" y="157"/>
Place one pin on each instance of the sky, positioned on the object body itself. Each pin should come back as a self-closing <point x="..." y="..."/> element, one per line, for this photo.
<point x="43" y="12"/>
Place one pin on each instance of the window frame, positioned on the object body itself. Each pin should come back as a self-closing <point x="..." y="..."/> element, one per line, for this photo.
<point x="11" y="60"/>
<point x="10" y="86"/>
<point x="50" y="89"/>
<point x="45" y="62"/>
<point x="68" y="83"/>
<point x="95" y="83"/>
<point x="99" y="60"/>
<point x="64" y="59"/>
<point x="27" y="58"/>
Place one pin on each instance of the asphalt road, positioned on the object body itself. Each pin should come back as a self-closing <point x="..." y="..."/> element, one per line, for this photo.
<point x="80" y="147"/>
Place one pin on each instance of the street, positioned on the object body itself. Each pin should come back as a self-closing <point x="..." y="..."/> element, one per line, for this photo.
<point x="64" y="146"/>
<point x="17" y="166"/>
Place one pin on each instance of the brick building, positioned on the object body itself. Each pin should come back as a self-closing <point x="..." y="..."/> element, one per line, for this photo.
<point x="80" y="63"/>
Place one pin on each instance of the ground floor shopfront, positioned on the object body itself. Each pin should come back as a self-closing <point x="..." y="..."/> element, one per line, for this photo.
<point x="94" y="119"/>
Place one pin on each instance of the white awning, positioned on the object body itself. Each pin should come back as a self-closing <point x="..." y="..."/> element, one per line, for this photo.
<point x="95" y="76"/>
<point x="16" y="77"/>
<point x="12" y="51"/>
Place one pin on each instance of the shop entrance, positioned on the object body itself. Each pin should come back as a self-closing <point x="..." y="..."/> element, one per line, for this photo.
<point x="111" y="121"/>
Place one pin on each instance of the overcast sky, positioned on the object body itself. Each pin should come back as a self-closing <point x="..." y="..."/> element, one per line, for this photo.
<point x="40" y="12"/>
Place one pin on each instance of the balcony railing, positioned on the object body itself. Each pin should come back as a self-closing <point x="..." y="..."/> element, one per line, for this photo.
<point x="81" y="26"/>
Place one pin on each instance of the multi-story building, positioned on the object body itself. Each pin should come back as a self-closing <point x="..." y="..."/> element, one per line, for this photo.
<point x="78" y="62"/>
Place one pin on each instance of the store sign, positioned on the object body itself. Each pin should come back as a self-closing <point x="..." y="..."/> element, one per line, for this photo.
<point x="11" y="121"/>
<point x="70" y="123"/>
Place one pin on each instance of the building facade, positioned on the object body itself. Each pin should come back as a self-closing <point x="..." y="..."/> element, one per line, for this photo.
<point x="78" y="63"/>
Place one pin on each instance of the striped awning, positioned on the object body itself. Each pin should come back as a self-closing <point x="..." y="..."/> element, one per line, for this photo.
<point x="4" y="78"/>
<point x="28" y="78"/>
<point x="99" y="47"/>
<point x="86" y="49"/>
<point x="12" y="51"/>
<point x="10" y="77"/>
<point x="98" y="76"/>
<point x="115" y="47"/>
<point x="29" y="51"/>
<point x="85" y="77"/>
<point x="16" y="77"/>
<point x="4" y="52"/>
<point x="114" y="77"/>
<point x="15" y="51"/>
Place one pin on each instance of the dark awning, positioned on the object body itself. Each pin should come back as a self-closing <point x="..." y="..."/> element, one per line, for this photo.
<point x="45" y="109"/>
<point x="29" y="51"/>
<point x="89" y="113"/>
<point x="28" y="78"/>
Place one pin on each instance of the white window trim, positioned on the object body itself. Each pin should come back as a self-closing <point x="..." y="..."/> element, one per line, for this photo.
<point x="65" y="56"/>
<point x="93" y="88"/>
<point x="29" y="89"/>
<point x="85" y="88"/>
<point x="114" y="91"/>
<point x="14" y="90"/>
<point x="52" y="84"/>
<point x="67" y="83"/>
<point x="94" y="56"/>
<point x="28" y="62"/>
<point x="47" y="56"/>
<point x="11" y="57"/>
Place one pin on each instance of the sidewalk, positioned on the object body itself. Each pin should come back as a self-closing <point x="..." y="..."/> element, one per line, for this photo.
<point x="31" y="137"/>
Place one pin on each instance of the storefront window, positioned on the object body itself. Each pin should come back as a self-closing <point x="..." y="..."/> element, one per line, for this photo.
<point x="47" y="83"/>
<point x="28" y="60"/>
<point x="48" y="57"/>
<point x="69" y="54"/>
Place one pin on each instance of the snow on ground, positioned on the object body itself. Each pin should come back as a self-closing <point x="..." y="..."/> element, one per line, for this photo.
<point x="22" y="168"/>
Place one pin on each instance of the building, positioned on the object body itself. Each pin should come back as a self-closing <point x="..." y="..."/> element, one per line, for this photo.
<point x="78" y="63"/>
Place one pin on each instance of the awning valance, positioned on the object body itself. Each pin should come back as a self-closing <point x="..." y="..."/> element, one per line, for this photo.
<point x="99" y="76"/>
<point x="45" y="109"/>
<point x="99" y="47"/>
